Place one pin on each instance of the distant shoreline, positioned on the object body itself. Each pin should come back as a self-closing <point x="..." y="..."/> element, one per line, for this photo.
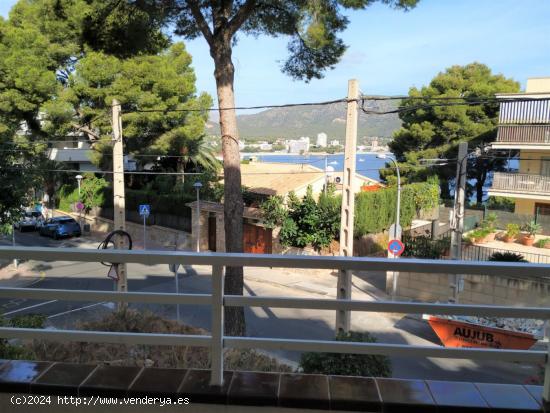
<point x="304" y="154"/>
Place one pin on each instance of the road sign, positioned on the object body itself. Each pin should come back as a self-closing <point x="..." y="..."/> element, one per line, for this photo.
<point x="396" y="247"/>
<point x="395" y="234"/>
<point x="144" y="210"/>
<point x="113" y="272"/>
<point x="173" y="267"/>
<point x="79" y="206"/>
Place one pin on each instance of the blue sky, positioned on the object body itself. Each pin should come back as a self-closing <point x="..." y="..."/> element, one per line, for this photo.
<point x="390" y="51"/>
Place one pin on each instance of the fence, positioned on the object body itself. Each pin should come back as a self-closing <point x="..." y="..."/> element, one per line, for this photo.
<point x="473" y="218"/>
<point x="217" y="342"/>
<point x="479" y="253"/>
<point x="181" y="222"/>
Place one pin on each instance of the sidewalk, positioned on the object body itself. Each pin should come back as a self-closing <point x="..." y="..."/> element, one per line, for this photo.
<point x="23" y="276"/>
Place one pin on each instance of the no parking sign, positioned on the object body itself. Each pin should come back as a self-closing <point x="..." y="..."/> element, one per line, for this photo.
<point x="396" y="247"/>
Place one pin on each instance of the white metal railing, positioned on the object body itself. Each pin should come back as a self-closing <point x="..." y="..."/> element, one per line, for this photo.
<point x="522" y="183"/>
<point x="217" y="342"/>
<point x="524" y="134"/>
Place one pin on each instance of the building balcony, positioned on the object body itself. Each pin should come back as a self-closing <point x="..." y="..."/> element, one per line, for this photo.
<point x="523" y="137"/>
<point x="520" y="185"/>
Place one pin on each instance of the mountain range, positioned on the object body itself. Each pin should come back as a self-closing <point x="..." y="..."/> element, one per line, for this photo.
<point x="294" y="122"/>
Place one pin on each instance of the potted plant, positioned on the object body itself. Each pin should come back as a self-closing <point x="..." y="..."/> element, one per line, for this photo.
<point x="488" y="225"/>
<point x="531" y="228"/>
<point x="543" y="243"/>
<point x="512" y="231"/>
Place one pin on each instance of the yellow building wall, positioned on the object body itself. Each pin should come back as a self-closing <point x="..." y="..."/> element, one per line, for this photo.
<point x="530" y="161"/>
<point x="524" y="206"/>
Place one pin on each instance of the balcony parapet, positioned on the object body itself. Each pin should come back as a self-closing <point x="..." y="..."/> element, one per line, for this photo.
<point x="521" y="183"/>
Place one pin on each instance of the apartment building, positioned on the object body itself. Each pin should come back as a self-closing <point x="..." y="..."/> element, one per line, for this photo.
<point x="524" y="126"/>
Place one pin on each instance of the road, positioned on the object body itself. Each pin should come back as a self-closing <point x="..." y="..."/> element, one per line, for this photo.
<point x="261" y="322"/>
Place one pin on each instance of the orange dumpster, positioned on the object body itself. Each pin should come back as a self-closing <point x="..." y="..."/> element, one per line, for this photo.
<point x="453" y="333"/>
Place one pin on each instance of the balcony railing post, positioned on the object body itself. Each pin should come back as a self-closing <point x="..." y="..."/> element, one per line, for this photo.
<point x="216" y="349"/>
<point x="546" y="388"/>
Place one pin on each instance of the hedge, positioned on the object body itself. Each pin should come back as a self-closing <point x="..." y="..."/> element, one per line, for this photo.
<point x="375" y="211"/>
<point x="160" y="204"/>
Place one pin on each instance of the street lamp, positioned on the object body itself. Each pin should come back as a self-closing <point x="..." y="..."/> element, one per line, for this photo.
<point x="197" y="185"/>
<point x="396" y="226"/>
<point x="78" y="179"/>
<point x="8" y="214"/>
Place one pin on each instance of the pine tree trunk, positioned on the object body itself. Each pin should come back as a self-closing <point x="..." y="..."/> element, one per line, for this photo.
<point x="233" y="199"/>
<point x="181" y="170"/>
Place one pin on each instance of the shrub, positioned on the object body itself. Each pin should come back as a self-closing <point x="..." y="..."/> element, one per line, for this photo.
<point x="507" y="257"/>
<point x="501" y="203"/>
<point x="347" y="364"/>
<point x="425" y="247"/>
<point x="375" y="210"/>
<point x="15" y="352"/>
<point x="542" y="243"/>
<point x="273" y="211"/>
<point x="134" y="321"/>
<point x="307" y="222"/>
<point x="532" y="228"/>
<point x="512" y="230"/>
<point x="490" y="222"/>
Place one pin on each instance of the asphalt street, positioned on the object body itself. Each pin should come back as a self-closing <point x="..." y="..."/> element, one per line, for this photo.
<point x="261" y="322"/>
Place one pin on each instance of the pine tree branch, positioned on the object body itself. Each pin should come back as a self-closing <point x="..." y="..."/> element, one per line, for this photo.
<point x="201" y="21"/>
<point x="241" y="16"/>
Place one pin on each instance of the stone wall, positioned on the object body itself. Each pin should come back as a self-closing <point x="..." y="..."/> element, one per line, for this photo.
<point x="156" y="236"/>
<point x="478" y="289"/>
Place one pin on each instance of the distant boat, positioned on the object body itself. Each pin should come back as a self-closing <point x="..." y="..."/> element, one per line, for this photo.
<point x="333" y="163"/>
<point x="361" y="160"/>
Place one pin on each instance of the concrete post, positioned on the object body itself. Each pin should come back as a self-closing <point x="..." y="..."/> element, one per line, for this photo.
<point x="348" y="203"/>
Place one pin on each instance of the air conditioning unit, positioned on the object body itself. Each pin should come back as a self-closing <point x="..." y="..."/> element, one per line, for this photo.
<point x="338" y="180"/>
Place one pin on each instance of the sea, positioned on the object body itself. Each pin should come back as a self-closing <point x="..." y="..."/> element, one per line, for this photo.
<point x="367" y="164"/>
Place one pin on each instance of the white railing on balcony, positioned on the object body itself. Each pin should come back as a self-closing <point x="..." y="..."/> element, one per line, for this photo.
<point x="521" y="183"/>
<point x="217" y="342"/>
<point x="524" y="111"/>
<point x="524" y="134"/>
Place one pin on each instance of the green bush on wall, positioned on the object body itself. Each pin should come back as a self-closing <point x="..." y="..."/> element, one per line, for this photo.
<point x="375" y="211"/>
<point x="365" y="365"/>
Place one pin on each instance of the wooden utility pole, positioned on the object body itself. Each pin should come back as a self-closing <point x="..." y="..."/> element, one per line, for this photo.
<point x="119" y="201"/>
<point x="457" y="218"/>
<point x="348" y="204"/>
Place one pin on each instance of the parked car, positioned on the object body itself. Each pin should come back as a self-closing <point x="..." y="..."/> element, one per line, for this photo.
<point x="29" y="221"/>
<point x="60" y="227"/>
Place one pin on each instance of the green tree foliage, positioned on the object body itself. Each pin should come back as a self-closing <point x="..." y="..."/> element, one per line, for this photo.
<point x="92" y="193"/>
<point x="375" y="211"/>
<point x="152" y="84"/>
<point x="434" y="132"/>
<point x="347" y="364"/>
<point x="306" y="221"/>
<point x="274" y="211"/>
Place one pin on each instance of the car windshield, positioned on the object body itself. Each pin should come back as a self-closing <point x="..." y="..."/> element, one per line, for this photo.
<point x="66" y="221"/>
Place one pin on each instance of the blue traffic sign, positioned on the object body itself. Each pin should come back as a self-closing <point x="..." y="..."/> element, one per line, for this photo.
<point x="396" y="247"/>
<point x="144" y="210"/>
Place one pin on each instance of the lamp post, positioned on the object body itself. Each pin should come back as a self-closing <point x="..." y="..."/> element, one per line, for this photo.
<point x="396" y="227"/>
<point x="8" y="214"/>
<point x="197" y="185"/>
<point x="79" y="179"/>
<point x="384" y="156"/>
